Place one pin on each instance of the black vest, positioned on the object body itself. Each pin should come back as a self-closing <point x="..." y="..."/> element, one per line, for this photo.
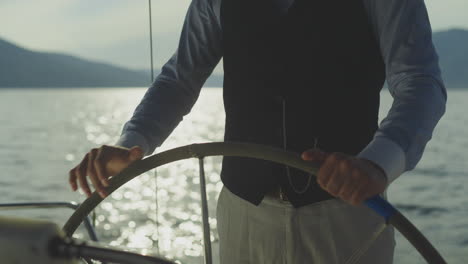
<point x="314" y="68"/>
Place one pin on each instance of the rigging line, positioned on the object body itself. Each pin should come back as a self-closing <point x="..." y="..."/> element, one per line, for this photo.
<point x="156" y="219"/>
<point x="151" y="40"/>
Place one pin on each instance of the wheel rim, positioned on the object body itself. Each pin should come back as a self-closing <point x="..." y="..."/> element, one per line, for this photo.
<point x="290" y="159"/>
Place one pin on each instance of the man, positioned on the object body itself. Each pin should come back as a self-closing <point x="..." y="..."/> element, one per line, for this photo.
<point x="302" y="75"/>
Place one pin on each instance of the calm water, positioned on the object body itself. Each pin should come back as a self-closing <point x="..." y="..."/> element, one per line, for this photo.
<point x="45" y="132"/>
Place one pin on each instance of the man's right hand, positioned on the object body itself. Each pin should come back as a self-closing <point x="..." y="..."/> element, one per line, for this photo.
<point x="99" y="165"/>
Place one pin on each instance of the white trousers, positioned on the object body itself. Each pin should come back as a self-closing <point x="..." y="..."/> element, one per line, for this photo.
<point x="274" y="232"/>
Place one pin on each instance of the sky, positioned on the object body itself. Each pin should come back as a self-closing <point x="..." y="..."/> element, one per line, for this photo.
<point x="116" y="31"/>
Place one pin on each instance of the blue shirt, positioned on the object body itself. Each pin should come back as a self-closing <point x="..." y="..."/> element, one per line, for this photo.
<point x="403" y="31"/>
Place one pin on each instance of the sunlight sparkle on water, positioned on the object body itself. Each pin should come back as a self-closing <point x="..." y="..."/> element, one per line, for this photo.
<point x="129" y="217"/>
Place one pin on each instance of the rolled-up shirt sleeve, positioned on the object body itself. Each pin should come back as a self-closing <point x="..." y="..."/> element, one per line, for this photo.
<point x="403" y="31"/>
<point x="175" y="90"/>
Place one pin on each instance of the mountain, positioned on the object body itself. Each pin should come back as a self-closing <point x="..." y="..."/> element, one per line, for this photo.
<point x="20" y="67"/>
<point x="452" y="46"/>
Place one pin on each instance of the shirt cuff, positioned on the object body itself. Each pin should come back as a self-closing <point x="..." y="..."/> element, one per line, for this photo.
<point x="130" y="139"/>
<point x="386" y="154"/>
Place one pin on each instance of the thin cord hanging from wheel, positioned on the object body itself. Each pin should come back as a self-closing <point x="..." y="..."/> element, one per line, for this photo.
<point x="285" y="146"/>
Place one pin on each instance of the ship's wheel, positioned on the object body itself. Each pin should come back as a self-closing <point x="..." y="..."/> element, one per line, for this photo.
<point x="391" y="215"/>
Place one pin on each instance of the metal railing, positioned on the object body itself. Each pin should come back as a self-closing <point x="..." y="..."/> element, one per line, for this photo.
<point x="41" y="205"/>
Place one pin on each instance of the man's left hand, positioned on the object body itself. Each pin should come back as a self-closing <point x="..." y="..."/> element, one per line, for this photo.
<point x="349" y="178"/>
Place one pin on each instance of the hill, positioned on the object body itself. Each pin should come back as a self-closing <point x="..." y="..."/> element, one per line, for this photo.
<point x="452" y="46"/>
<point x="20" y="67"/>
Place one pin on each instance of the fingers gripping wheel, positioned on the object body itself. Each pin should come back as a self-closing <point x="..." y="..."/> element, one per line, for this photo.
<point x="99" y="164"/>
